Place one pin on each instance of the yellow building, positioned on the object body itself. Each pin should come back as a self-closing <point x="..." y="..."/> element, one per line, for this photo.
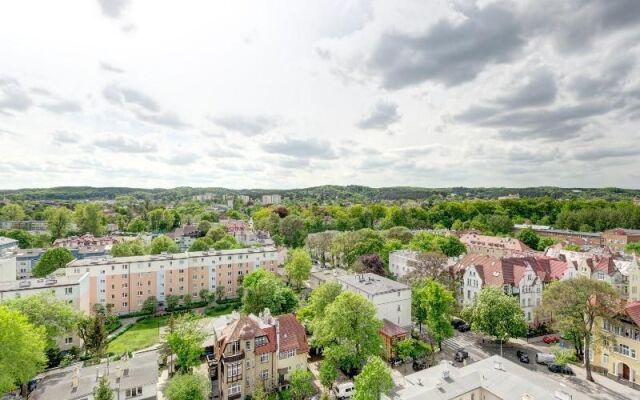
<point x="621" y="358"/>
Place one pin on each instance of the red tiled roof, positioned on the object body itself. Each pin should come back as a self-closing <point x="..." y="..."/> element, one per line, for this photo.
<point x="389" y="329"/>
<point x="633" y="311"/>
<point x="292" y="334"/>
<point x="606" y="265"/>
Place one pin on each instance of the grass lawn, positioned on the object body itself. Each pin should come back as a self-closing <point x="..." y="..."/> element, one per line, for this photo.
<point x="212" y="312"/>
<point x="142" y="334"/>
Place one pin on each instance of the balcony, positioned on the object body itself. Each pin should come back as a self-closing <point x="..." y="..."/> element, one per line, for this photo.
<point x="233" y="358"/>
<point x="234" y="378"/>
<point x="235" y="396"/>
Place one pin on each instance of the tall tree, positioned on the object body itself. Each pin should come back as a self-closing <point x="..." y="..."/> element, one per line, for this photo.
<point x="576" y="304"/>
<point x="529" y="237"/>
<point x="186" y="342"/>
<point x="217" y="232"/>
<point x="293" y="231"/>
<point x="201" y="244"/>
<point x="22" y="349"/>
<point x="93" y="332"/>
<point x="103" y="391"/>
<point x="370" y="263"/>
<point x="162" y="244"/>
<point x="188" y="387"/>
<point x="58" y="220"/>
<point x="263" y="289"/>
<point x="349" y="331"/>
<point x="56" y="316"/>
<point x="90" y="218"/>
<point x="137" y="225"/>
<point x="313" y="312"/>
<point x="496" y="314"/>
<point x="51" y="260"/>
<point x="431" y="265"/>
<point x="301" y="384"/>
<point x="12" y="212"/>
<point x="298" y="266"/>
<point x="437" y="304"/>
<point x="374" y="380"/>
<point x="128" y="248"/>
<point x="328" y="374"/>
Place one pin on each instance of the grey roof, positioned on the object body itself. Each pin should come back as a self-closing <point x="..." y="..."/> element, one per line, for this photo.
<point x="39" y="283"/>
<point x="5" y="241"/>
<point x="372" y="284"/>
<point x="503" y="378"/>
<point x="143" y="371"/>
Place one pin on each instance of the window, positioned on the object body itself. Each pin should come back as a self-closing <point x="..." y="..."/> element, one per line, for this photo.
<point x="264" y="374"/>
<point x="235" y="369"/>
<point x="261" y="341"/>
<point x="234" y="389"/>
<point x="248" y="345"/>
<point x="625" y="350"/>
<point x="133" y="392"/>
<point x="68" y="340"/>
<point x="68" y="290"/>
<point x="264" y="357"/>
<point x="235" y="347"/>
<point x="287" y="354"/>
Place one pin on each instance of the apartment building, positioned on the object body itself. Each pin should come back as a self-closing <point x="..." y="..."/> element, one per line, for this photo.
<point x="26" y="260"/>
<point x="88" y="240"/>
<point x="495" y="246"/>
<point x="71" y="289"/>
<point x="271" y="199"/>
<point x="392" y="299"/>
<point x="617" y="239"/>
<point x="523" y="277"/>
<point x="402" y="262"/>
<point x="621" y="357"/>
<point x="8" y="251"/>
<point x="258" y="350"/>
<point x="126" y="282"/>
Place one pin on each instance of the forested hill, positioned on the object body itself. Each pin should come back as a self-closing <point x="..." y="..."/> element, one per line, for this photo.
<point x="320" y="193"/>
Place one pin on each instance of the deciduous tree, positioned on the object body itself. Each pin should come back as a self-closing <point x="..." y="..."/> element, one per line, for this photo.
<point x="51" y="260"/>
<point x="103" y="391"/>
<point x="496" y="314"/>
<point x="186" y="342"/>
<point x="188" y="387"/>
<point x="89" y="218"/>
<point x="163" y="243"/>
<point x="12" y="212"/>
<point x="93" y="332"/>
<point x="301" y="384"/>
<point x="298" y="266"/>
<point x="436" y="304"/>
<point x="262" y="289"/>
<point x="374" y="380"/>
<point x="58" y="220"/>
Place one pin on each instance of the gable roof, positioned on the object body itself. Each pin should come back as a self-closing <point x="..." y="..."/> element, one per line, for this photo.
<point x="632" y="309"/>
<point x="292" y="335"/>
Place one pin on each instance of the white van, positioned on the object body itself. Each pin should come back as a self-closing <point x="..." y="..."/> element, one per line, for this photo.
<point x="545" y="358"/>
<point x="343" y="390"/>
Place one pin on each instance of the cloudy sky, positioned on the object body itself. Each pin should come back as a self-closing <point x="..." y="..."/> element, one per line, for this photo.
<point x="282" y="94"/>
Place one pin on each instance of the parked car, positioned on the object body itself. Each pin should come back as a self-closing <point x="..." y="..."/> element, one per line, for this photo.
<point x="550" y="339"/>
<point x="523" y="357"/>
<point x="419" y="365"/>
<point x="461" y="355"/>
<point x="464" y="327"/>
<point x="343" y="390"/>
<point x="545" y="358"/>
<point x="560" y="369"/>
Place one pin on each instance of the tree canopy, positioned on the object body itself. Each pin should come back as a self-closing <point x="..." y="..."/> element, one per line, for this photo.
<point x="496" y="314"/>
<point x="162" y="244"/>
<point x="186" y="342"/>
<point x="298" y="266"/>
<point x="188" y="387"/>
<point x="51" y="260"/>
<point x="374" y="380"/>
<point x="263" y="289"/>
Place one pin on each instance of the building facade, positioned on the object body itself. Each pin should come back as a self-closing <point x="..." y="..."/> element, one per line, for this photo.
<point x="392" y="299"/>
<point x="126" y="282"/>
<point x="8" y="251"/>
<point x="402" y="262"/>
<point x="495" y="246"/>
<point x="617" y="239"/>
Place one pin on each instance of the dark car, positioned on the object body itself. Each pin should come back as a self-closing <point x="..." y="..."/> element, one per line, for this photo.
<point x="561" y="369"/>
<point x="456" y="322"/>
<point x="419" y="365"/>
<point x="464" y="327"/>
<point x="524" y="358"/>
<point x="460" y="355"/>
<point x="395" y="362"/>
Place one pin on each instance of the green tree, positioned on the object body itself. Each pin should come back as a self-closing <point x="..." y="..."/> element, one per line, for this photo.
<point x="217" y="232"/>
<point x="22" y="349"/>
<point x="262" y="289"/>
<point x="301" y="384"/>
<point x="227" y="242"/>
<point x="496" y="314"/>
<point x="137" y="225"/>
<point x="58" y="220"/>
<point x="162" y="244"/>
<point x="56" y="316"/>
<point x="92" y="330"/>
<point x="201" y="244"/>
<point x="349" y="331"/>
<point x="313" y="312"/>
<point x="51" y="260"/>
<point x="437" y="305"/>
<point x="632" y="248"/>
<point x="450" y="246"/>
<point x="188" y="387"/>
<point x="103" y="391"/>
<point x="298" y="266"/>
<point x="545" y="242"/>
<point x="259" y="393"/>
<point x="89" y="218"/>
<point x="128" y="248"/>
<point x="186" y="342"/>
<point x="172" y="301"/>
<point x="328" y="374"/>
<point x="563" y="356"/>
<point x="219" y="293"/>
<point x="411" y="349"/>
<point x="374" y="380"/>
<point x="572" y="247"/>
<point x="187" y="299"/>
<point x="204" y="294"/>
<point x="529" y="237"/>
<point x="576" y="304"/>
<point x="293" y="231"/>
<point x="12" y="212"/>
<point x="150" y="305"/>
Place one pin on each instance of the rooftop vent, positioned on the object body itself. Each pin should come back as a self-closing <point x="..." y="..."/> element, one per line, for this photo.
<point x="50" y="281"/>
<point x="495" y="273"/>
<point x="445" y="374"/>
<point x="498" y="365"/>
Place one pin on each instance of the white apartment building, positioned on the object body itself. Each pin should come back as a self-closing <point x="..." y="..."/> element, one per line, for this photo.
<point x="271" y="199"/>
<point x="392" y="299"/>
<point x="8" y="251"/>
<point x="26" y="260"/>
<point x="126" y="282"/>
<point x="402" y="262"/>
<point x="71" y="289"/>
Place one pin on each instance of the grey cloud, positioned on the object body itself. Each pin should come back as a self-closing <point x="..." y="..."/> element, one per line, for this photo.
<point x="310" y="148"/>
<point x="383" y="114"/>
<point x="293" y="163"/>
<point x="539" y="89"/>
<point x="181" y="159"/>
<point x="62" y="107"/>
<point x="13" y="97"/>
<point x="163" y="118"/>
<point x="221" y="152"/>
<point x="246" y="125"/>
<point x="111" y="68"/>
<point x="449" y="53"/>
<point x="601" y="153"/>
<point x="122" y="144"/>
<point x="113" y="8"/>
<point x="609" y="81"/>
<point x="65" y="137"/>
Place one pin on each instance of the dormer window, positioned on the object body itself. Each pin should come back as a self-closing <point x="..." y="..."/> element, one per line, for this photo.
<point x="261" y="341"/>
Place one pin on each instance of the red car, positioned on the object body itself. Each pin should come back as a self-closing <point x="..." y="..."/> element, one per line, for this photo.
<point x="551" y="339"/>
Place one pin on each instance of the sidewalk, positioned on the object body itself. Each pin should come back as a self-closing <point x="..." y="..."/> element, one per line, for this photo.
<point x="126" y="322"/>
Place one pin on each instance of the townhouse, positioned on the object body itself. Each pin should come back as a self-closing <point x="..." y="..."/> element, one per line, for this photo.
<point x="72" y="289"/>
<point x="522" y="277"/>
<point x="261" y="350"/>
<point x="495" y="246"/>
<point x="126" y="282"/>
<point x="88" y="240"/>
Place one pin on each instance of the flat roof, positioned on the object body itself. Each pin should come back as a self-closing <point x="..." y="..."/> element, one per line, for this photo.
<point x="39" y="283"/>
<point x="499" y="376"/>
<point x="372" y="284"/>
<point x="57" y="384"/>
<point x="107" y="260"/>
<point x="5" y="241"/>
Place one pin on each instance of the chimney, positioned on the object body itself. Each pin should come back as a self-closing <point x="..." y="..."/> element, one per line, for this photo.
<point x="266" y="316"/>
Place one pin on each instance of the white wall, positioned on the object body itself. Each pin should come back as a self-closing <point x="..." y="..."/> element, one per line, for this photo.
<point x="7" y="269"/>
